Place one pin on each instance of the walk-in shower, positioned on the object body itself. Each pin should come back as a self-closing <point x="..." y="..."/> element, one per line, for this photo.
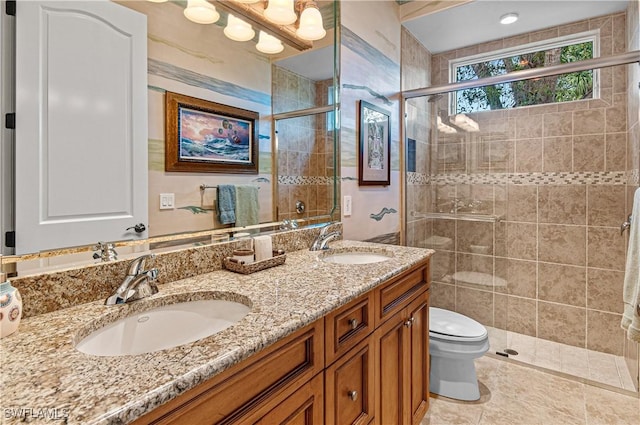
<point x="523" y="207"/>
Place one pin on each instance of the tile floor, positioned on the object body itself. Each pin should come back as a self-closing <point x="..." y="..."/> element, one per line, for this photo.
<point x="514" y="394"/>
<point x="591" y="365"/>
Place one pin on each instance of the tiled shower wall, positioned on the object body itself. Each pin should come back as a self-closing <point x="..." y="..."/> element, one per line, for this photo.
<point x="558" y="176"/>
<point x="305" y="146"/>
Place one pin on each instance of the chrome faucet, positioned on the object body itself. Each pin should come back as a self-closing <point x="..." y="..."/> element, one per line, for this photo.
<point x="320" y="242"/>
<point x="137" y="284"/>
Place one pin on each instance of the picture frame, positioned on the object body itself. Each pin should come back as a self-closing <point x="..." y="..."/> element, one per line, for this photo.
<point x="208" y="137"/>
<point x="374" y="156"/>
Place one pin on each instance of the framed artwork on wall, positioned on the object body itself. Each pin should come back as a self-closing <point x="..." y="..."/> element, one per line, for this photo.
<point x="209" y="137"/>
<point x="374" y="156"/>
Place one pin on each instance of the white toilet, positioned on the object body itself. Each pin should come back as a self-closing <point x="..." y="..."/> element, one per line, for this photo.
<point x="455" y="341"/>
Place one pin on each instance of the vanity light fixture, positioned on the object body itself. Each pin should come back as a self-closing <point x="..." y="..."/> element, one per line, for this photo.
<point x="238" y="30"/>
<point x="311" y="27"/>
<point x="509" y="18"/>
<point x="280" y="12"/>
<point x="201" y="12"/>
<point x="269" y="44"/>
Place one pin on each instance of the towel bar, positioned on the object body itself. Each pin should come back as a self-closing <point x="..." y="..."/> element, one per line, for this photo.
<point x="206" y="186"/>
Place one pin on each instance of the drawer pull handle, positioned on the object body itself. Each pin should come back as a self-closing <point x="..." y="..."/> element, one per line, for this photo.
<point x="353" y="323"/>
<point x="353" y="395"/>
<point x="409" y="322"/>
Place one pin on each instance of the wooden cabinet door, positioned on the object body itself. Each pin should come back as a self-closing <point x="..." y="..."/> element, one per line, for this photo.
<point x="304" y="407"/>
<point x="419" y="352"/>
<point x="349" y="389"/>
<point x="392" y="353"/>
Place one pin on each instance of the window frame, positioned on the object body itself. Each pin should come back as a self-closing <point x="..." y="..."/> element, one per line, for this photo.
<point x="552" y="43"/>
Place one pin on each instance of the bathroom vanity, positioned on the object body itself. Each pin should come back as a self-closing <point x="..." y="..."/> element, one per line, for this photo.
<point x="323" y="343"/>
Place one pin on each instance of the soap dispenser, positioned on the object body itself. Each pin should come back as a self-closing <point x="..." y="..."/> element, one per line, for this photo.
<point x="10" y="307"/>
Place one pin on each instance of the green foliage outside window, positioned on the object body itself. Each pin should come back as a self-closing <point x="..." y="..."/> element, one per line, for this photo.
<point x="559" y="88"/>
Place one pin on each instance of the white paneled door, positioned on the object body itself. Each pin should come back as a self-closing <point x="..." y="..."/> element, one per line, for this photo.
<point x="81" y="123"/>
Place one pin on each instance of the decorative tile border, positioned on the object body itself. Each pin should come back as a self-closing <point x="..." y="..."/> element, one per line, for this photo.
<point x="548" y="178"/>
<point x="305" y="180"/>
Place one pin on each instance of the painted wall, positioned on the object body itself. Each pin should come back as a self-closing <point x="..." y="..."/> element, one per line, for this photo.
<point x="370" y="71"/>
<point x="218" y="70"/>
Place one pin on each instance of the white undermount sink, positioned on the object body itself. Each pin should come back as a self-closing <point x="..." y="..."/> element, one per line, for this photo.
<point x="163" y="327"/>
<point x="354" y="257"/>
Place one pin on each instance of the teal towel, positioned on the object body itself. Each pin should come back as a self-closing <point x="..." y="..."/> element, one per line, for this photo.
<point x="247" y="207"/>
<point x="226" y="203"/>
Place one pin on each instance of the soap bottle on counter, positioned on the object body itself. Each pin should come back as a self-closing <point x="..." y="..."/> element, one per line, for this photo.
<point x="10" y="307"/>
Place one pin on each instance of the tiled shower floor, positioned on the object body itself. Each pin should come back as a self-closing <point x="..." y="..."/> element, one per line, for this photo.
<point x="602" y="368"/>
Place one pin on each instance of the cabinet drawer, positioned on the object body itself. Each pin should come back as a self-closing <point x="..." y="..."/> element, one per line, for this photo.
<point x="349" y="386"/>
<point x="395" y="295"/>
<point x="347" y="326"/>
<point x="247" y="391"/>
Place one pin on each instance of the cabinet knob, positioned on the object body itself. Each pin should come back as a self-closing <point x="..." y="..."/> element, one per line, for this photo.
<point x="409" y="322"/>
<point x="353" y="395"/>
<point x="353" y="323"/>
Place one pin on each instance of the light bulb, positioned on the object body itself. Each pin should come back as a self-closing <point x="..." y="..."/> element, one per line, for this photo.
<point x="201" y="12"/>
<point x="247" y="1"/>
<point x="311" y="27"/>
<point x="269" y="44"/>
<point x="238" y="30"/>
<point x="280" y="12"/>
<point x="509" y="18"/>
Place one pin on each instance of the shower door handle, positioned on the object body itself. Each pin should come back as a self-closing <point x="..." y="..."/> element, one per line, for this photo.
<point x="626" y="225"/>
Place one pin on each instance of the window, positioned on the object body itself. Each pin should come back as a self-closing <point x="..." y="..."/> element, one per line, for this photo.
<point x="558" y="88"/>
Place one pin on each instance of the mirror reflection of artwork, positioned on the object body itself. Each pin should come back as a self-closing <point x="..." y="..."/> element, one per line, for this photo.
<point x="203" y="136"/>
<point x="374" y="157"/>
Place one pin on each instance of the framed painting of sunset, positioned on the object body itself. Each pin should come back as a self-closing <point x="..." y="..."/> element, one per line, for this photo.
<point x="203" y="136"/>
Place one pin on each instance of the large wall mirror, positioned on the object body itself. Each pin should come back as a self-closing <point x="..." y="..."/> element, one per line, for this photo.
<point x="294" y="94"/>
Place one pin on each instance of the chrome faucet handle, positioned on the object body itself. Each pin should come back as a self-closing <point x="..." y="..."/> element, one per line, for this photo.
<point x="137" y="265"/>
<point x="141" y="286"/>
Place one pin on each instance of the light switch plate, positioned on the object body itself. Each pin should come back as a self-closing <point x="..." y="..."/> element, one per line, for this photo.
<point x="347" y="206"/>
<point x="167" y="201"/>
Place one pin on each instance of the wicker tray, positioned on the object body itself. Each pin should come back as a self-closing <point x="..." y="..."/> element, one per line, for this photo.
<point x="278" y="259"/>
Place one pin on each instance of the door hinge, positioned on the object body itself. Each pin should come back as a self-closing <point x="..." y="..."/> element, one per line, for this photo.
<point x="10" y="8"/>
<point x="10" y="239"/>
<point x="10" y="120"/>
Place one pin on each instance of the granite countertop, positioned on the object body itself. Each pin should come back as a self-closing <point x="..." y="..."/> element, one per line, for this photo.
<point x="44" y="376"/>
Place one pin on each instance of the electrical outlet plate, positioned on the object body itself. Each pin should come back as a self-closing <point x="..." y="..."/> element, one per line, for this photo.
<point x="167" y="201"/>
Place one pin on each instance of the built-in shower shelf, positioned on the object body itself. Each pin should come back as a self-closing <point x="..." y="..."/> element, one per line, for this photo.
<point x="458" y="216"/>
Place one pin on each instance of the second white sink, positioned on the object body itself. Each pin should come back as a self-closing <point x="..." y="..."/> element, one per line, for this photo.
<point x="163" y="327"/>
<point x="354" y="257"/>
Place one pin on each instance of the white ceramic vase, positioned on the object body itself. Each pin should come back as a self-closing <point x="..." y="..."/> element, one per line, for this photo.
<point x="10" y="309"/>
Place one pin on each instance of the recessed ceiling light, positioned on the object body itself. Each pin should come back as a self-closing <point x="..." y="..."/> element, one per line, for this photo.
<point x="509" y="18"/>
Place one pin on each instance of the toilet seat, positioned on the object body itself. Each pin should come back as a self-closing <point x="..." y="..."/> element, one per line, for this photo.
<point x="452" y="326"/>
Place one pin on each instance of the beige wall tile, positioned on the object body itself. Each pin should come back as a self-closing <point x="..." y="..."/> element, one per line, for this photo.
<point x="604" y="290"/>
<point x="615" y="151"/>
<point x="562" y="323"/>
<point x="476" y="304"/>
<point x="588" y="153"/>
<point x="606" y="249"/>
<point x="519" y="277"/>
<point x="562" y="244"/>
<point x="562" y="284"/>
<point x="590" y="121"/>
<point x="516" y="240"/>
<point x="474" y="233"/>
<point x="522" y="203"/>
<point x="604" y="333"/>
<point x="606" y="205"/>
<point x="521" y="315"/>
<point x="616" y="116"/>
<point x="443" y="296"/>
<point x="558" y="154"/>
<point x="558" y="124"/>
<point x="528" y="127"/>
<point x="528" y="155"/>
<point x="562" y="204"/>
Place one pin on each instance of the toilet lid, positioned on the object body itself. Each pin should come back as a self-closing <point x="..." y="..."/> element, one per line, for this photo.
<point x="447" y="322"/>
